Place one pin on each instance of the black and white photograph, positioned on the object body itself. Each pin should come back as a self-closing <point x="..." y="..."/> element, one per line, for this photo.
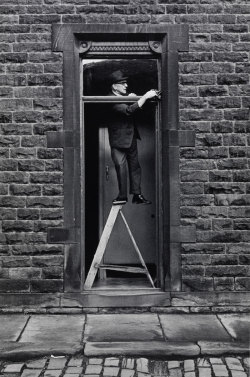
<point x="124" y="188"/>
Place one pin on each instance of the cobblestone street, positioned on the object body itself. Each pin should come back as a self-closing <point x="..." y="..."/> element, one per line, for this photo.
<point x="127" y="367"/>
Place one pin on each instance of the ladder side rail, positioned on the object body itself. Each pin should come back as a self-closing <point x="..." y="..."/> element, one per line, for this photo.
<point x="137" y="250"/>
<point x="102" y="246"/>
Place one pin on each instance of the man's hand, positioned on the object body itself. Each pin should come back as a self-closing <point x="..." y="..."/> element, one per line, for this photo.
<point x="151" y="94"/>
<point x="132" y="95"/>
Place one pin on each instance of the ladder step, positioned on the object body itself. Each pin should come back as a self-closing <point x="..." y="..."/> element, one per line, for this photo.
<point x="114" y="267"/>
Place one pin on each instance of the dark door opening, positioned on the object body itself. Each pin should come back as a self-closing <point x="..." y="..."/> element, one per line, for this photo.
<point x="100" y="177"/>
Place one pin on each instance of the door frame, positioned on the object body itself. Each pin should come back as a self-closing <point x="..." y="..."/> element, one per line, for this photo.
<point x="75" y="41"/>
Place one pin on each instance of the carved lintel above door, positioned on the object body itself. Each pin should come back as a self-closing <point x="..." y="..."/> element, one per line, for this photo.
<point x="122" y="47"/>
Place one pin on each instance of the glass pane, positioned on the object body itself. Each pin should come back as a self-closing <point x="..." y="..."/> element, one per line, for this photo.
<point x="142" y="75"/>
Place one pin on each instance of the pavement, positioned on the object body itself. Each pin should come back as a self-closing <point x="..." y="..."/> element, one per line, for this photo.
<point x="144" y="335"/>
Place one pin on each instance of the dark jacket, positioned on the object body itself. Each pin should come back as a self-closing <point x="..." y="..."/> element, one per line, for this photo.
<point x="121" y="125"/>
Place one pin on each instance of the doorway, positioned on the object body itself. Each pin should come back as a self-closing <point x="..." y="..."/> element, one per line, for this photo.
<point x="100" y="177"/>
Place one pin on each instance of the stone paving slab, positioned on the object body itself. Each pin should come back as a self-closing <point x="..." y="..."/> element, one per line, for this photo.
<point x="238" y="325"/>
<point x="149" y="349"/>
<point x="12" y="326"/>
<point x="54" y="328"/>
<point x="192" y="328"/>
<point x="123" y="327"/>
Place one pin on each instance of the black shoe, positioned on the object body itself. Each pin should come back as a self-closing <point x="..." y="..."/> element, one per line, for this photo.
<point x="119" y="200"/>
<point x="139" y="199"/>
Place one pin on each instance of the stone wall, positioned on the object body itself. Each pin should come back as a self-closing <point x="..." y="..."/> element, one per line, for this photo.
<point x="214" y="101"/>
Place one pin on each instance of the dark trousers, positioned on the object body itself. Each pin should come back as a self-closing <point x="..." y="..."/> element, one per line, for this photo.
<point x="121" y="158"/>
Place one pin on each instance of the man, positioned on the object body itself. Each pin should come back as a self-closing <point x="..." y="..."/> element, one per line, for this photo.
<point x="123" y="136"/>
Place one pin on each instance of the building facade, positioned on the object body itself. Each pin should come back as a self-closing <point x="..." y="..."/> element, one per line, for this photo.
<point x="201" y="168"/>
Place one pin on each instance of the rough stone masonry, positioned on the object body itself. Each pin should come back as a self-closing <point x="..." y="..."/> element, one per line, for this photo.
<point x="214" y="101"/>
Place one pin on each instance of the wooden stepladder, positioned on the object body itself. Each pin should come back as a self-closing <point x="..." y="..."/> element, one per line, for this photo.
<point x="97" y="261"/>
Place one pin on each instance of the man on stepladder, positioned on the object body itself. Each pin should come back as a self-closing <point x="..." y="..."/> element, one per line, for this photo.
<point x="123" y="136"/>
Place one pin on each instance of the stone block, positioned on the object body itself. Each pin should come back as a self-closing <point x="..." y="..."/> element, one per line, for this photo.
<point x="36" y="364"/>
<point x="52" y="272"/>
<point x="46" y="286"/>
<point x="74" y="370"/>
<point x="11" y="286"/>
<point x="236" y="114"/>
<point x="9" y="261"/>
<point x="31" y="373"/>
<point x="11" y="327"/>
<point x="137" y="327"/>
<point x="237" y="152"/>
<point x="95" y="361"/>
<point x="44" y="202"/>
<point x="53" y="373"/>
<point x="192" y="188"/>
<point x="45" y="79"/>
<point x="51" y="214"/>
<point x="42" y="128"/>
<point x="220" y="224"/>
<point x="52" y="190"/>
<point x="234" y="364"/>
<point x="41" y="327"/>
<point x="217" y="152"/>
<point x="26" y="153"/>
<point x="49" y="153"/>
<point x="189" y="365"/>
<point x="194" y="176"/>
<point x="111" y="361"/>
<point x="75" y="362"/>
<point x="220" y="370"/>
<point x="127" y="373"/>
<point x="220" y="176"/>
<point x="31" y="165"/>
<point x="192" y="327"/>
<point x="110" y="371"/>
<point x="55" y="363"/>
<point x="242" y="224"/>
<point x="54" y="165"/>
<point x="242" y="283"/>
<point x="238" y="373"/>
<point x="224" y="284"/>
<point x="12" y="202"/>
<point x="48" y="177"/>
<point x="204" y="372"/>
<point x="33" y="141"/>
<point x="93" y="369"/>
<point x="14" y="368"/>
<point x="27" y="214"/>
<point x="236" y="325"/>
<point x="128" y="363"/>
<point x="197" y="284"/>
<point x="142" y="365"/>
